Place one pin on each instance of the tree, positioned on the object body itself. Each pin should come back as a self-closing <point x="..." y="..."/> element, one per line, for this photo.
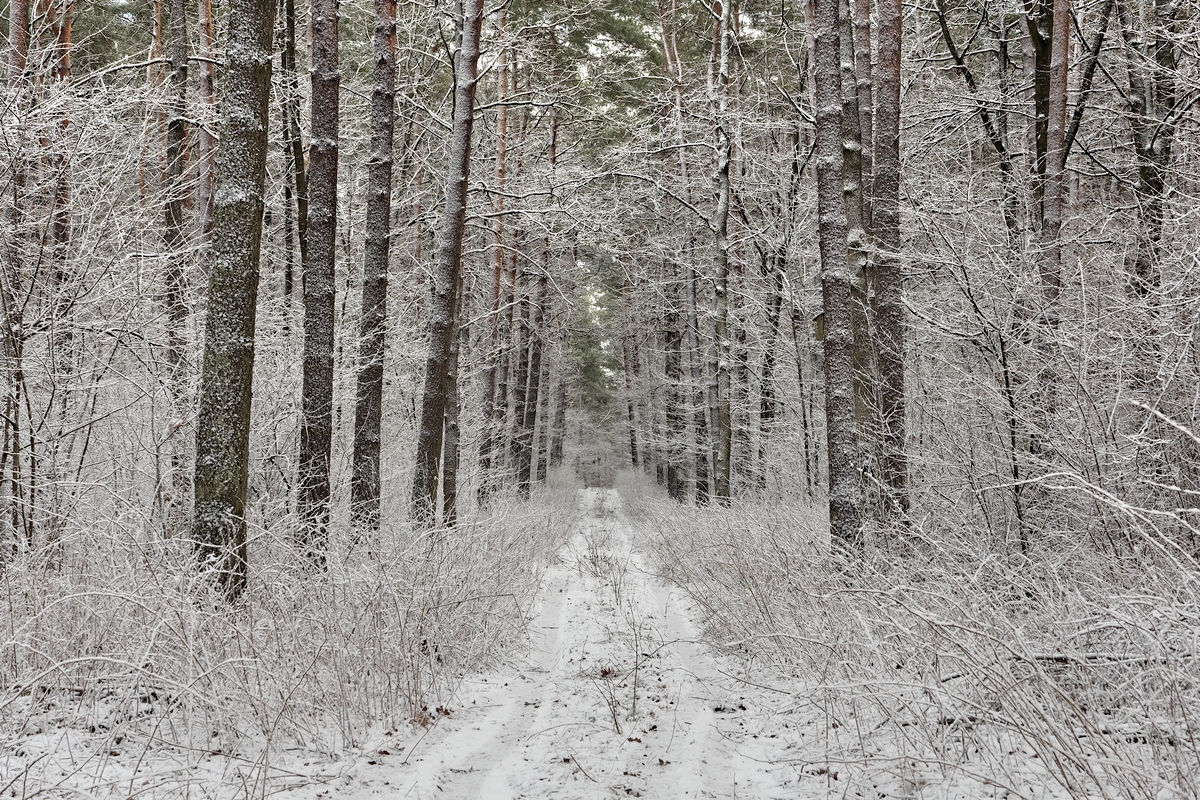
<point x="316" y="421"/>
<point x="448" y="268"/>
<point x="365" y="485"/>
<point x="174" y="228"/>
<point x="888" y="269"/>
<point x="223" y="423"/>
<point x="836" y="292"/>
<point x="493" y="413"/>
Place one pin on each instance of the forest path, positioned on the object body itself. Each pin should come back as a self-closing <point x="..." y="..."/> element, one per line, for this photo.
<point x="616" y="698"/>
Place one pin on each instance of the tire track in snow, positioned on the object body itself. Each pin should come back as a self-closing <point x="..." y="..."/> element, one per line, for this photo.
<point x="612" y="647"/>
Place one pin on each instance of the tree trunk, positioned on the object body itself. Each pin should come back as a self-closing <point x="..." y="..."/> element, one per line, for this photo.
<point x="521" y="335"/>
<point x="174" y="231"/>
<point x="773" y="269"/>
<point x="368" y="413"/>
<point x="529" y="404"/>
<point x="448" y="269"/>
<point x="1050" y="245"/>
<point x="856" y="231"/>
<point x="11" y="262"/>
<point x="629" y="361"/>
<point x="700" y="418"/>
<point x="1152" y="67"/>
<point x="889" y="275"/>
<point x="864" y="92"/>
<point x="676" y="417"/>
<point x="316" y="396"/>
<point x="18" y="41"/>
<point x="493" y="417"/>
<point x="1039" y="20"/>
<point x="836" y="291"/>
<point x="560" y="423"/>
<point x="544" y="424"/>
<point x="223" y="423"/>
<point x="451" y="435"/>
<point x="723" y="418"/>
<point x="294" y="139"/>
<point x="206" y="155"/>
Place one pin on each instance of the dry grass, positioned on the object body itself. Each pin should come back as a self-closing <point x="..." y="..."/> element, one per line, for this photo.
<point x="938" y="663"/>
<point x="120" y="657"/>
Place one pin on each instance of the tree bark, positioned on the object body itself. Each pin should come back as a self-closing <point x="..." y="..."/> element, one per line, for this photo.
<point x="723" y="417"/>
<point x="560" y="423"/>
<point x="294" y="139"/>
<point x="450" y="454"/>
<point x="174" y="230"/>
<point x="1151" y="67"/>
<point x="529" y="399"/>
<point x="544" y="424"/>
<point x="223" y="424"/>
<point x="676" y="417"/>
<point x="12" y="257"/>
<point x="1049" y="240"/>
<point x="316" y="396"/>
<point x="368" y="413"/>
<point x="18" y="41"/>
<point x="864" y="91"/>
<point x="889" y="298"/>
<point x="1040" y="21"/>
<point x="449" y="265"/>
<point x="700" y="418"/>
<point x="836" y="292"/>
<point x="773" y="270"/>
<point x="493" y="417"/>
<point x="629" y="361"/>
<point x="206" y="155"/>
<point x="856" y="230"/>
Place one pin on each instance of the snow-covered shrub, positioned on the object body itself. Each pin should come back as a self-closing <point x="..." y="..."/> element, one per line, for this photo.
<point x="1064" y="671"/>
<point x="123" y="659"/>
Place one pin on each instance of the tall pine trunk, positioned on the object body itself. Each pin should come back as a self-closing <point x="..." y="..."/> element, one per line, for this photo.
<point x="493" y="413"/>
<point x="368" y="412"/>
<point x="174" y="230"/>
<point x="206" y="152"/>
<point x="223" y="423"/>
<point x="450" y="452"/>
<point x="11" y="262"/>
<point x="529" y="401"/>
<point x="293" y="145"/>
<point x="888" y="272"/>
<point x="845" y="515"/>
<point x="722" y="407"/>
<point x="316" y="396"/>
<point x="448" y="269"/>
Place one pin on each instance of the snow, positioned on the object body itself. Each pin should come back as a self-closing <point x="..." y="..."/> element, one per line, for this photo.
<point x="615" y="694"/>
<point x="611" y="647"/>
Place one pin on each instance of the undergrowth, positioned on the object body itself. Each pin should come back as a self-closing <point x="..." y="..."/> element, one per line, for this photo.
<point x="940" y="663"/>
<point x="117" y="661"/>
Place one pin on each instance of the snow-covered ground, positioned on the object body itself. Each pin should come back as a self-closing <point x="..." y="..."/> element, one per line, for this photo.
<point x="616" y="698"/>
<point x="616" y="694"/>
